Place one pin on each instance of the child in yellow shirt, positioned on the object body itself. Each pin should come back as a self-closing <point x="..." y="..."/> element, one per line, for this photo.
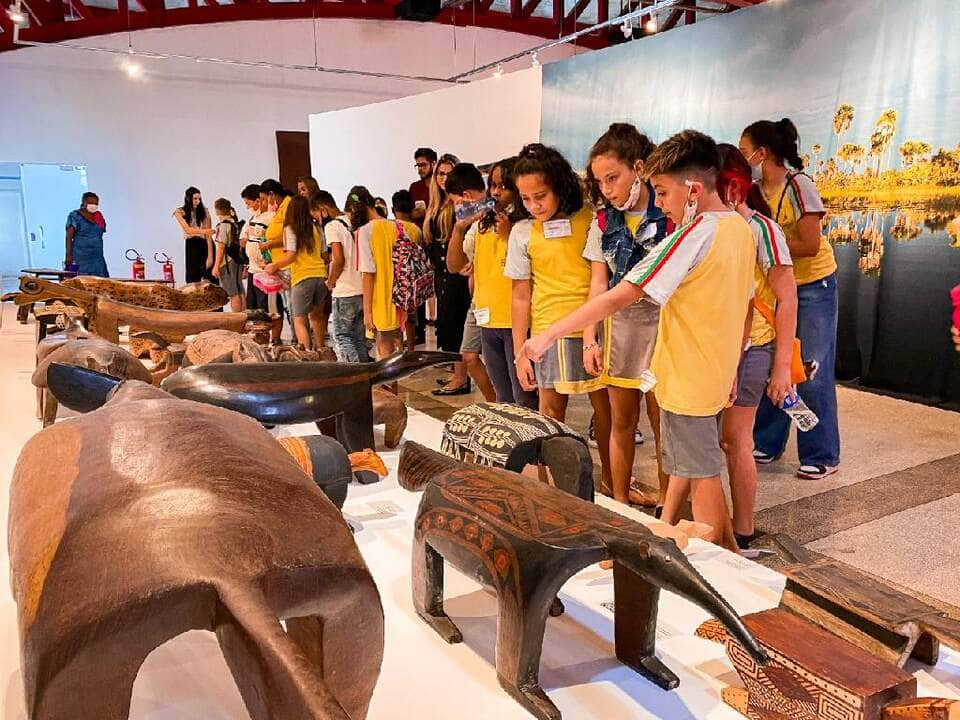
<point x="551" y="279"/>
<point x="302" y="246"/>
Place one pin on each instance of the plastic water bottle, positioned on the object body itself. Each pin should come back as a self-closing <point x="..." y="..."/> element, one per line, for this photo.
<point x="472" y="209"/>
<point x="802" y="416"/>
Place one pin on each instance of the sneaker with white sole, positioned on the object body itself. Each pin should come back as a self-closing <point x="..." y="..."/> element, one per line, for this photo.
<point x="761" y="458"/>
<point x="638" y="438"/>
<point x="816" y="472"/>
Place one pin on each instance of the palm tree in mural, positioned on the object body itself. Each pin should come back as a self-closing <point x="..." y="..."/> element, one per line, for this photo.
<point x="846" y="154"/>
<point x="816" y="150"/>
<point x="842" y="119"/>
<point x="913" y="150"/>
<point x="882" y="137"/>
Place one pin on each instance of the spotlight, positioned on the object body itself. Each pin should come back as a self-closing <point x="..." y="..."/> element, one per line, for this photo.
<point x="651" y="25"/>
<point x="17" y="16"/>
<point x="534" y="61"/>
<point x="133" y="69"/>
<point x="498" y="73"/>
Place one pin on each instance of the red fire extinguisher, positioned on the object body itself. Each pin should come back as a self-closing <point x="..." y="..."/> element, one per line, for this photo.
<point x="139" y="269"/>
<point x="167" y="264"/>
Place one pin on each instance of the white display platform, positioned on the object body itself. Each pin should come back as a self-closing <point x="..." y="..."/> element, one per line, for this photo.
<point x="422" y="676"/>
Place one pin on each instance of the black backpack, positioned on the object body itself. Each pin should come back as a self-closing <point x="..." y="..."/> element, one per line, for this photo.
<point x="232" y="248"/>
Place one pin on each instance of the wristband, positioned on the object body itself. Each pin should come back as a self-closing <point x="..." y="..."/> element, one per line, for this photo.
<point x="591" y="346"/>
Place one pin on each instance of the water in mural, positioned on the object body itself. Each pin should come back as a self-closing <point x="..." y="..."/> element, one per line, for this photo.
<point x="873" y="88"/>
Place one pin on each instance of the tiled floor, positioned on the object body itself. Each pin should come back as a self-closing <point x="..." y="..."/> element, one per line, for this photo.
<point x="891" y="510"/>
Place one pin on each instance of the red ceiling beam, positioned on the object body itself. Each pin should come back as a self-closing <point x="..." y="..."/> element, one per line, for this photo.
<point x="575" y="12"/>
<point x="672" y="19"/>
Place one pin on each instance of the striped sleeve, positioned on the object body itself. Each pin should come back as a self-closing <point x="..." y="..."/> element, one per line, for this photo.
<point x="771" y="243"/>
<point x="803" y="195"/>
<point x="661" y="272"/>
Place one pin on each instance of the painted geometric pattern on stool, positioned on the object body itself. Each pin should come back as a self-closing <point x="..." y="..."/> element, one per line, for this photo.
<point x="496" y="551"/>
<point x="784" y="689"/>
<point x="486" y="433"/>
<point x="542" y="518"/>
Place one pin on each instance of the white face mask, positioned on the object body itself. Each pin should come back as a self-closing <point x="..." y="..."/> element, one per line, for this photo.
<point x="635" y="190"/>
<point x="690" y="209"/>
<point x="92" y="207"/>
<point x="756" y="171"/>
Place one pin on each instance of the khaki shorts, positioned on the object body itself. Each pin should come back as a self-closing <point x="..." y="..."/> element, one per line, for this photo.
<point x="629" y="336"/>
<point x="690" y="445"/>
<point x="561" y="369"/>
<point x="471" y="335"/>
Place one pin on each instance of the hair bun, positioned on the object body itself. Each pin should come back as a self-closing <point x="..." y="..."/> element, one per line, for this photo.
<point x="786" y="127"/>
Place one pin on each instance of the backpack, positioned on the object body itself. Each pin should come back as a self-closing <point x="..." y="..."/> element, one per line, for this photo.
<point x="412" y="274"/>
<point x="232" y="249"/>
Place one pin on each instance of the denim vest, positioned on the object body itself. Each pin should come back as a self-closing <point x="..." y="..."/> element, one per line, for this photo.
<point x="621" y="249"/>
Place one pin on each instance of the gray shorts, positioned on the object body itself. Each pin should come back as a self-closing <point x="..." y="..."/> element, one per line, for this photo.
<point x="561" y="369"/>
<point x="307" y="295"/>
<point x="230" y="279"/>
<point x="753" y="374"/>
<point x="471" y="334"/>
<point x="691" y="445"/>
<point x="629" y="336"/>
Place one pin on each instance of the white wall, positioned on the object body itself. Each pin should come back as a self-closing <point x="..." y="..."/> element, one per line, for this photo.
<point x="373" y="145"/>
<point x="212" y="126"/>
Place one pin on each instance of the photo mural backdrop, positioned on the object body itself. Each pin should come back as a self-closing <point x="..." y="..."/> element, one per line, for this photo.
<point x="874" y="89"/>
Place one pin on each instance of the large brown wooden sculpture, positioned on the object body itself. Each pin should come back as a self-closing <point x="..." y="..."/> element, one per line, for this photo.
<point x="192" y="297"/>
<point x="871" y="613"/>
<point x="105" y="316"/>
<point x="153" y="516"/>
<point x="526" y="539"/>
<point x="337" y="396"/>
<point x="814" y="675"/>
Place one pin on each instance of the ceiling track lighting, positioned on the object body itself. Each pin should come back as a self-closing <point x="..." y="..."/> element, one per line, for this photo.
<point x="16" y="14"/>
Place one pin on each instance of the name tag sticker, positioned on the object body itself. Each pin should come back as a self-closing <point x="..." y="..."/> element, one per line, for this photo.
<point x="557" y="229"/>
<point x="482" y="315"/>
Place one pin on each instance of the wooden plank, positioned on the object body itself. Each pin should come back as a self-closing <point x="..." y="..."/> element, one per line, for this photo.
<point x="862" y="609"/>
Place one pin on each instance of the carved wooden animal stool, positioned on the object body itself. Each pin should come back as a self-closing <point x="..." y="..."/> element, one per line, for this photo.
<point x="191" y="297"/>
<point x="512" y="437"/>
<point x="74" y="330"/>
<point x="389" y="411"/>
<point x="337" y="396"/>
<point x="526" y="539"/>
<point x="92" y="353"/>
<point x="153" y="516"/>
<point x="814" y="675"/>
<point x="105" y="316"/>
<point x="213" y="346"/>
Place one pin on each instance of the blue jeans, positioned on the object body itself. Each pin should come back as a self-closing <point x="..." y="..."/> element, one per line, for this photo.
<point x="497" y="344"/>
<point x="348" y="331"/>
<point x="817" y="330"/>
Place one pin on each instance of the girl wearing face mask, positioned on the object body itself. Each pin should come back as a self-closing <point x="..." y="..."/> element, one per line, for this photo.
<point x="702" y="277"/>
<point x="84" y="239"/>
<point x="624" y="230"/>
<point x="771" y="149"/>
<point x="551" y="279"/>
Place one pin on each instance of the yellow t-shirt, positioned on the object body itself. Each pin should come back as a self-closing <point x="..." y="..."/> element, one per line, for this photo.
<point x="306" y="264"/>
<point x="796" y="198"/>
<point x="702" y="277"/>
<point x="491" y="288"/>
<point x="772" y="251"/>
<point x="376" y="241"/>
<point x="274" y="230"/>
<point x="559" y="273"/>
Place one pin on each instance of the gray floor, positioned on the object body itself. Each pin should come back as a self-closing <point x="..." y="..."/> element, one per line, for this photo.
<point x="889" y="511"/>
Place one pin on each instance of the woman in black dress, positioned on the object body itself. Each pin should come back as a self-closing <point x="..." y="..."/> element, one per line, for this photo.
<point x="453" y="289"/>
<point x="197" y="229"/>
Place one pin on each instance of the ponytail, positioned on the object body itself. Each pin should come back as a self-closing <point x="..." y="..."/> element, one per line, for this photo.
<point x="780" y="138"/>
